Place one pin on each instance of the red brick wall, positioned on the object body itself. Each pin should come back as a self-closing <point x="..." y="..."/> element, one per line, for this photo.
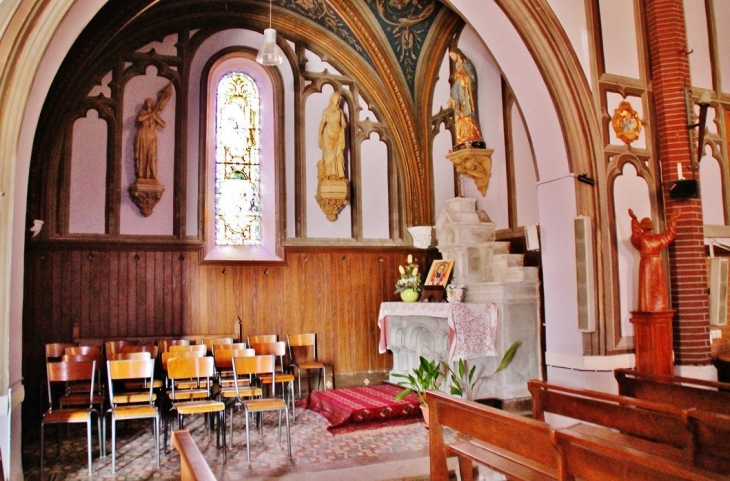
<point x="670" y="76"/>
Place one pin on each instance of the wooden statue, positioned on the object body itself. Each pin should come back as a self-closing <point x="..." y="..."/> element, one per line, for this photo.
<point x="653" y="292"/>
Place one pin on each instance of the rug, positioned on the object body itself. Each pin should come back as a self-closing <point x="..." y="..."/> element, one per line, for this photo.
<point x="370" y="407"/>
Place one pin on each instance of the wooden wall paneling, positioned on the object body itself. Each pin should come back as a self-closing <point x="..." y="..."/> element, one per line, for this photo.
<point x="192" y="290"/>
<point x="171" y="281"/>
<point x="126" y="259"/>
<point x="152" y="293"/>
<point x="136" y="286"/>
<point x="85" y="301"/>
<point x="114" y="301"/>
<point x="182" y="292"/>
<point x="199" y="322"/>
<point x="104" y="298"/>
<point x="56" y="265"/>
<point x="155" y="322"/>
<point x="73" y="276"/>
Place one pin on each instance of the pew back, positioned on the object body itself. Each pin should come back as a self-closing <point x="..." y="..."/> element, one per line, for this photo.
<point x="193" y="466"/>
<point x="681" y="392"/>
<point x="711" y="433"/>
<point x="653" y="421"/>
<point x="586" y="458"/>
<point x="508" y="439"/>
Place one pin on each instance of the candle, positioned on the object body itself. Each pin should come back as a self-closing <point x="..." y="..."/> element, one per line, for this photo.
<point x="679" y="171"/>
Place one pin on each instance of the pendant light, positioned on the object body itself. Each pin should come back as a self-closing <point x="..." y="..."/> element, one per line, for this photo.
<point x="269" y="53"/>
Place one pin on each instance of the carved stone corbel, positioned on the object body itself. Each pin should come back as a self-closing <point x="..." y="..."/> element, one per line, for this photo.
<point x="475" y="163"/>
<point x="146" y="193"/>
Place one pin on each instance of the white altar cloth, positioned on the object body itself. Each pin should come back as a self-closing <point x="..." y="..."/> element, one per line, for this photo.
<point x="472" y="327"/>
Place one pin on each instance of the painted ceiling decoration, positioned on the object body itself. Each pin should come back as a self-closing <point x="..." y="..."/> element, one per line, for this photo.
<point x="406" y="24"/>
<point x="322" y="13"/>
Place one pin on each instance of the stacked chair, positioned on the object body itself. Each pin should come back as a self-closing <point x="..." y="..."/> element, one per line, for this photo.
<point x="252" y="368"/>
<point x="84" y="373"/>
<point x="283" y="376"/>
<point x="132" y="404"/>
<point x="303" y="357"/>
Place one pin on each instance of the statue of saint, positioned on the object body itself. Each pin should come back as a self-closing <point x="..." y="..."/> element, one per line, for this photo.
<point x="332" y="140"/>
<point x="145" y="141"/>
<point x="464" y="99"/>
<point x="653" y="292"/>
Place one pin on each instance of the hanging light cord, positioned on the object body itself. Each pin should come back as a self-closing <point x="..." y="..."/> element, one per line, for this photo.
<point x="270" y="1"/>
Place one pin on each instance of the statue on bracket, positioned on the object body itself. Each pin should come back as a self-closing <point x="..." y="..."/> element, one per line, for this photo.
<point x="147" y="191"/>
<point x="333" y="188"/>
<point x="470" y="155"/>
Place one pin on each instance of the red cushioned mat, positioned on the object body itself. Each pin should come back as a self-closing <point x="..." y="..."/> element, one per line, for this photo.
<point x="369" y="407"/>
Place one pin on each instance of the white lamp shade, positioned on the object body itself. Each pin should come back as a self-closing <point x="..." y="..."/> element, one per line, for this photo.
<point x="269" y="53"/>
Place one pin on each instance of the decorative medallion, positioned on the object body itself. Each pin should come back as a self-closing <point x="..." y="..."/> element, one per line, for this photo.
<point x="626" y="122"/>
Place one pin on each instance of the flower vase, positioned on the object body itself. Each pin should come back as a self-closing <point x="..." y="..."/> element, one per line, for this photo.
<point x="409" y="295"/>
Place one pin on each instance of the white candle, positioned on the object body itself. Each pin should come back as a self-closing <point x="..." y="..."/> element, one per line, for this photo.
<point x="679" y="171"/>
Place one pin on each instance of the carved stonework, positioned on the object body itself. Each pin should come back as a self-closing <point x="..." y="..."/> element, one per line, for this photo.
<point x="146" y="193"/>
<point x="474" y="163"/>
<point x="332" y="196"/>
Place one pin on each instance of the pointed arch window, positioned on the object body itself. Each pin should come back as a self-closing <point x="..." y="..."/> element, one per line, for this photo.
<point x="237" y="162"/>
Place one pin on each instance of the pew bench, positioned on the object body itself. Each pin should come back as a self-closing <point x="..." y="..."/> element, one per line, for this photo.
<point x="588" y="458"/>
<point x="193" y="466"/>
<point x="678" y="391"/>
<point x="643" y="425"/>
<point x="518" y="447"/>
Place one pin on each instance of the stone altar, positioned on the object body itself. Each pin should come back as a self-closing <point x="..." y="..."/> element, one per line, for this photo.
<point x="492" y="276"/>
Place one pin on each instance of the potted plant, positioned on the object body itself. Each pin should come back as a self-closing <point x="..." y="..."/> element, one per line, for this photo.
<point x="462" y="383"/>
<point x="409" y="284"/>
<point x="427" y="375"/>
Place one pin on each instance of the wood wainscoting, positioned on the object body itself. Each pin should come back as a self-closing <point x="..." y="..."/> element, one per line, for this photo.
<point x="335" y="292"/>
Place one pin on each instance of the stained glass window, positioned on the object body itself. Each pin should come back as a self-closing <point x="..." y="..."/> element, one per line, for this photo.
<point x="237" y="169"/>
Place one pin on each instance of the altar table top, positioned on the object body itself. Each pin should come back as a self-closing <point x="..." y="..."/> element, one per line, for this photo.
<point x="472" y="327"/>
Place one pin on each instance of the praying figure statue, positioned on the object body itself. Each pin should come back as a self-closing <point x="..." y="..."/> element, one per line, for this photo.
<point x="464" y="100"/>
<point x="332" y="140"/>
<point x="145" y="141"/>
<point x="653" y="292"/>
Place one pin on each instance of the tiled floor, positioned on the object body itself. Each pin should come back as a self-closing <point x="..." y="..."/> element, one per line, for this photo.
<point x="389" y="453"/>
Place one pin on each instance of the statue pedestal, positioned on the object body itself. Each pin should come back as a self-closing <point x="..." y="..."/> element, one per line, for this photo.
<point x="146" y="193"/>
<point x="653" y="342"/>
<point x="332" y="196"/>
<point x="474" y="163"/>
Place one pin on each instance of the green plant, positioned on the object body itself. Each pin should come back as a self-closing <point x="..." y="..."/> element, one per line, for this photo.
<point x="426" y="376"/>
<point x="409" y="277"/>
<point x="462" y="384"/>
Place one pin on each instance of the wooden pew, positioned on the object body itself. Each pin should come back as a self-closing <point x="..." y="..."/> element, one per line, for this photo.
<point x="586" y="458"/>
<point x="193" y="466"/>
<point x="660" y="428"/>
<point x="711" y="440"/>
<point x="679" y="391"/>
<point x="518" y="447"/>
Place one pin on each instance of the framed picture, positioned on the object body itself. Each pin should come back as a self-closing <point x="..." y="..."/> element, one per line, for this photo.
<point x="439" y="273"/>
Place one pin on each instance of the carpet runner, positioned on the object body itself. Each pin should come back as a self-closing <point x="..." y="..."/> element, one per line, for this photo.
<point x="370" y="407"/>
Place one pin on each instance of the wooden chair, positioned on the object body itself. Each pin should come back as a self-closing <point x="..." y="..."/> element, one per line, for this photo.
<point x="199" y="348"/>
<point x="257" y="366"/>
<point x="132" y="405"/>
<point x="151" y="348"/>
<point x="196" y="399"/>
<point x="113" y="347"/>
<point x="55" y="350"/>
<point x="283" y="376"/>
<point x="303" y="357"/>
<point x="92" y="350"/>
<point x="224" y="364"/>
<point x="164" y="344"/>
<point x="65" y="372"/>
<point x="128" y="356"/>
<point x="259" y="338"/>
<point x="77" y="392"/>
<point x="216" y="341"/>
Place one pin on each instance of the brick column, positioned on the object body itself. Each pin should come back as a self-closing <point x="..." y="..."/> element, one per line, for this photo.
<point x="670" y="75"/>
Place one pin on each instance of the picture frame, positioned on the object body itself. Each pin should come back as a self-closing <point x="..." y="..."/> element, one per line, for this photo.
<point x="438" y="274"/>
